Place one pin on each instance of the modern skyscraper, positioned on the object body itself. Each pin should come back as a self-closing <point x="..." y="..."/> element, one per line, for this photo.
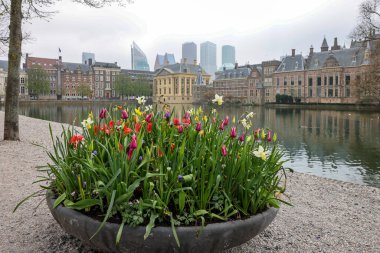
<point x="228" y="55"/>
<point x="189" y="51"/>
<point x="208" y="57"/>
<point x="163" y="60"/>
<point x="138" y="58"/>
<point x="88" y="58"/>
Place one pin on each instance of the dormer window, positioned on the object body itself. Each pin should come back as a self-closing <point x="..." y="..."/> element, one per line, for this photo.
<point x="296" y="67"/>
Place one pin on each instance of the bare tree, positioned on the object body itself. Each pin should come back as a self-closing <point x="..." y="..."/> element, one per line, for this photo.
<point x="369" y="20"/>
<point x="15" y="12"/>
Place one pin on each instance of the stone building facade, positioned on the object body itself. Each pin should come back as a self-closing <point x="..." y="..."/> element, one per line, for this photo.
<point x="104" y="76"/>
<point x="73" y="76"/>
<point x="175" y="83"/>
<point x="23" y="91"/>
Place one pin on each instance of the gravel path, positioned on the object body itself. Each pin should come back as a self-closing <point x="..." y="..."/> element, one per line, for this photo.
<point x="327" y="216"/>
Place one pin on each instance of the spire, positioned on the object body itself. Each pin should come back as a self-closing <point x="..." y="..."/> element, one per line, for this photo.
<point x="325" y="46"/>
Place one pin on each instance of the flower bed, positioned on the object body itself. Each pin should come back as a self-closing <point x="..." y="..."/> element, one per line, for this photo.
<point x="141" y="166"/>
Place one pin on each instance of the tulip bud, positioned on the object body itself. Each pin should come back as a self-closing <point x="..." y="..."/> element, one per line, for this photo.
<point x="198" y="127"/>
<point x="180" y="129"/>
<point x="124" y="114"/>
<point x="102" y="113"/>
<point x="224" y="150"/>
<point x="233" y="133"/>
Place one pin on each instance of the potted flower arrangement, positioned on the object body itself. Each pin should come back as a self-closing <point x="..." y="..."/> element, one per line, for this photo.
<point x="142" y="180"/>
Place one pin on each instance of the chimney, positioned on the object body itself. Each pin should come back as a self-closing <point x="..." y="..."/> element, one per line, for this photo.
<point x="115" y="62"/>
<point x="311" y="50"/>
<point x="236" y="65"/>
<point x="293" y="52"/>
<point x="60" y="58"/>
<point x="195" y="62"/>
<point x="335" y="42"/>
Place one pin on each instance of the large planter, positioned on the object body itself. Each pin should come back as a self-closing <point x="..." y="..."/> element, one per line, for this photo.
<point x="214" y="238"/>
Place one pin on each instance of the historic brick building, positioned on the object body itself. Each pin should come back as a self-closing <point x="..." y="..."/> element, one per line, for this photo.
<point x="232" y="84"/>
<point x="328" y="76"/>
<point x="73" y="76"/>
<point x="104" y="75"/>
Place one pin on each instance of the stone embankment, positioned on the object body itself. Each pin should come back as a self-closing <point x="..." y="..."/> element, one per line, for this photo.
<point x="326" y="216"/>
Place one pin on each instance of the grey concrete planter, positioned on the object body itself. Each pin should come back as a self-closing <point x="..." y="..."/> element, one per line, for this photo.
<point x="215" y="237"/>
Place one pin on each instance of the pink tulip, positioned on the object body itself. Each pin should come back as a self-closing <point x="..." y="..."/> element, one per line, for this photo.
<point x="269" y="137"/>
<point x="225" y="121"/>
<point x="233" y="133"/>
<point x="221" y="127"/>
<point x="224" y="150"/>
<point x="242" y="137"/>
<point x="132" y="146"/>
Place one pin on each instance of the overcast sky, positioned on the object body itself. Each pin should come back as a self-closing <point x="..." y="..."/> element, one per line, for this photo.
<point x="259" y="30"/>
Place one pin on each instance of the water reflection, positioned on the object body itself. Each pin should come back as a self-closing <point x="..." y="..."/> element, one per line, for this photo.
<point x="331" y="143"/>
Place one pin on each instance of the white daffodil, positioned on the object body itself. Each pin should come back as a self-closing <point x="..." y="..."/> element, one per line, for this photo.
<point x="87" y="123"/>
<point x="246" y="124"/>
<point x="213" y="111"/>
<point x="249" y="115"/>
<point x="141" y="100"/>
<point x="218" y="99"/>
<point x="260" y="153"/>
<point x="148" y="108"/>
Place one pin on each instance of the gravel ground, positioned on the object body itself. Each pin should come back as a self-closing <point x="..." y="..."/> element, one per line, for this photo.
<point x="327" y="216"/>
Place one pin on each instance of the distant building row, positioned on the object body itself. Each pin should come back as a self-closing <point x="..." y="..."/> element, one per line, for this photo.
<point x="66" y="77"/>
<point x="328" y="76"/>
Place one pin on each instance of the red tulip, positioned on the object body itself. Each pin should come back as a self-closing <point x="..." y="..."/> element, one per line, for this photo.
<point x="137" y="127"/>
<point x="176" y="122"/>
<point x="149" y="127"/>
<point x="127" y="130"/>
<point x="186" y="121"/>
<point x="111" y="124"/>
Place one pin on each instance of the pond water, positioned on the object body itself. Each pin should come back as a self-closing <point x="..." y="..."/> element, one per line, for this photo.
<point x="339" y="142"/>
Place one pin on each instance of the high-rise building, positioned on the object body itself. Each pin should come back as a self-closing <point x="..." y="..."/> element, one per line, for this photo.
<point x="189" y="51"/>
<point x="88" y="58"/>
<point x="138" y="58"/>
<point x="163" y="60"/>
<point x="208" y="57"/>
<point x="228" y="55"/>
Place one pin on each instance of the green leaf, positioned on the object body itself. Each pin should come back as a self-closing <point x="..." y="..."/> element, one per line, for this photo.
<point x="59" y="200"/>
<point x="174" y="231"/>
<point x="107" y="214"/>
<point x="149" y="227"/>
<point x="181" y="200"/>
<point x="273" y="202"/>
<point x="200" y="212"/>
<point x="34" y="194"/>
<point x="119" y="232"/>
<point x="84" y="203"/>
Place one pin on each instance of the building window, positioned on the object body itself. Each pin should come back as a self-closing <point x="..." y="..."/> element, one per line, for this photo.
<point x="292" y="80"/>
<point x="285" y="81"/>
<point x="278" y="81"/>
<point x="267" y="92"/>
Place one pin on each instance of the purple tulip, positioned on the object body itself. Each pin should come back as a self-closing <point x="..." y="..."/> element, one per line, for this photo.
<point x="124" y="114"/>
<point x="242" y="137"/>
<point x="148" y="118"/>
<point x="198" y="127"/>
<point x="233" y="133"/>
<point x="103" y="113"/>
<point x="180" y="129"/>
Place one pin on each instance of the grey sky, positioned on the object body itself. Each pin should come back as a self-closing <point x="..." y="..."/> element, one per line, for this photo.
<point x="260" y="30"/>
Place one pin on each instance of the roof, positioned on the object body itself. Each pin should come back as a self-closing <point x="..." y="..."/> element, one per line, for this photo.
<point x="4" y="65"/>
<point x="324" y="43"/>
<point x="181" y="68"/>
<point x="75" y="66"/>
<point x="240" y="72"/>
<point x="291" y="63"/>
<point x="105" y="65"/>
<point x="349" y="57"/>
<point x="45" y="63"/>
